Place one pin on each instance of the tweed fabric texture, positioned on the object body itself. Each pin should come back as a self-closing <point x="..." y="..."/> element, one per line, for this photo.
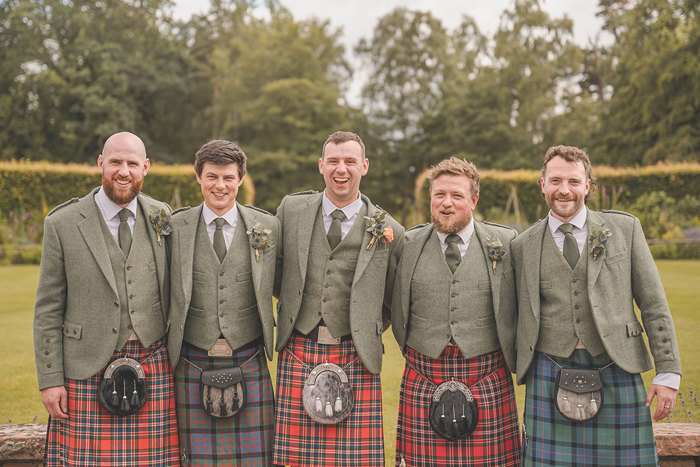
<point x="299" y="441"/>
<point x="242" y="440"/>
<point x="92" y="437"/>
<point x="621" y="433"/>
<point x="495" y="442"/>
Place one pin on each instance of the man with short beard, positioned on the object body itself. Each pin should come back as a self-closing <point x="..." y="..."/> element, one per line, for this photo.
<point x="577" y="273"/>
<point x="453" y="315"/>
<point x="100" y="321"/>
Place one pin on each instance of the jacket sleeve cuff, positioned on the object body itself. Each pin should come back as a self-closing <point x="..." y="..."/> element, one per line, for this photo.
<point x="51" y="380"/>
<point x="671" y="380"/>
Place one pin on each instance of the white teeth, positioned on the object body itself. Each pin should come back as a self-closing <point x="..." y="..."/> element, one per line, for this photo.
<point x="341" y="180"/>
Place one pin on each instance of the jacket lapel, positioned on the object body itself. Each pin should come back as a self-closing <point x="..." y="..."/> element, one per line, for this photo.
<point x="532" y="250"/>
<point x="188" y="237"/>
<point x="410" y="254"/>
<point x="365" y="254"/>
<point x="595" y="222"/>
<point x="90" y="228"/>
<point x="158" y="250"/>
<point x="306" y="218"/>
<point x="482" y="236"/>
<point x="256" y="267"/>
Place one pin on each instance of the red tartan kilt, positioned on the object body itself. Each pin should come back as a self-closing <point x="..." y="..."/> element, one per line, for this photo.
<point x="299" y="441"/>
<point x="93" y="437"/>
<point x="495" y="441"/>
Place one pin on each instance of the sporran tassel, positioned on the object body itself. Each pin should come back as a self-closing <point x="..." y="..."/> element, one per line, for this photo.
<point x="135" y="396"/>
<point x="210" y="405"/>
<point x="115" y="397"/>
<point x="222" y="405"/>
<point x="338" y="404"/>
<point x="318" y="405"/>
<point x="124" y="406"/>
<point x="235" y="399"/>
<point x="329" y="409"/>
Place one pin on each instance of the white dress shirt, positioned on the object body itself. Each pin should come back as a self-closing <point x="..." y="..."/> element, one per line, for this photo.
<point x="110" y="213"/>
<point x="229" y="228"/>
<point x="350" y="212"/>
<point x="465" y="236"/>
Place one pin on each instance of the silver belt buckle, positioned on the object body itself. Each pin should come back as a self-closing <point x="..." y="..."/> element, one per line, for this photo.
<point x="133" y="336"/>
<point x="579" y="345"/>
<point x="220" y="349"/>
<point x="325" y="337"/>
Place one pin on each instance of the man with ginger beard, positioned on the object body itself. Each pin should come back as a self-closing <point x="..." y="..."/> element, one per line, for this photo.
<point x="100" y="319"/>
<point x="453" y="315"/>
<point x="578" y="274"/>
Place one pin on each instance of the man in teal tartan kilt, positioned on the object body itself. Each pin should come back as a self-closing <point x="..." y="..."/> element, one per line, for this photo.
<point x="578" y="275"/>
<point x="223" y="259"/>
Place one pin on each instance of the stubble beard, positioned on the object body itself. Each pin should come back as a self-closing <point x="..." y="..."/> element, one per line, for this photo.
<point x="568" y="214"/>
<point x="113" y="194"/>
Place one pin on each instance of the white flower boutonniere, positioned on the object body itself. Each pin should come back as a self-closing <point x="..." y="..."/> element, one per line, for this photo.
<point x="496" y="251"/>
<point x="259" y="238"/>
<point x="160" y="220"/>
<point x="599" y="242"/>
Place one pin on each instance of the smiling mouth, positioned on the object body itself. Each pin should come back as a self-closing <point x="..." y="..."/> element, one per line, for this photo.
<point x="218" y="195"/>
<point x="341" y="180"/>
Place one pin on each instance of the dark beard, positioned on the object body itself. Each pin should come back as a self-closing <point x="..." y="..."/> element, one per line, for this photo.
<point x="115" y="196"/>
<point x="451" y="228"/>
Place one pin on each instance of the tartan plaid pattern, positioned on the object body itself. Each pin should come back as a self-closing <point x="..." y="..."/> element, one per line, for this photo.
<point x="93" y="437"/>
<point x="495" y="442"/>
<point x="621" y="433"/>
<point x="242" y="440"/>
<point x="299" y="441"/>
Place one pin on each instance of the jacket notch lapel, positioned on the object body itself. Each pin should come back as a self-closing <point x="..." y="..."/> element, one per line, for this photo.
<point x="532" y="250"/>
<point x="256" y="266"/>
<point x="188" y="237"/>
<point x="158" y="250"/>
<point x="92" y="234"/>
<point x="495" y="276"/>
<point x="410" y="261"/>
<point x="595" y="222"/>
<point x="306" y="219"/>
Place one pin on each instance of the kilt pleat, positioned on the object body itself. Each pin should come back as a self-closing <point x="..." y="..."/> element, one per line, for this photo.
<point x="299" y="441"/>
<point x="243" y="440"/>
<point x="93" y="437"/>
<point x="621" y="433"/>
<point x="495" y="441"/>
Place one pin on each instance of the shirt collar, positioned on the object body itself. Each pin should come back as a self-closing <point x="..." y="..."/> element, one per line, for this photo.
<point x="465" y="234"/>
<point x="350" y="210"/>
<point x="578" y="221"/>
<point x="110" y="209"/>
<point x="231" y="215"/>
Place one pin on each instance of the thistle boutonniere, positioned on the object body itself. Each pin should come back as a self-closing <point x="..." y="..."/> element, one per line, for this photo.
<point x="496" y="251"/>
<point x="259" y="238"/>
<point x="378" y="228"/>
<point x="599" y="242"/>
<point x="160" y="220"/>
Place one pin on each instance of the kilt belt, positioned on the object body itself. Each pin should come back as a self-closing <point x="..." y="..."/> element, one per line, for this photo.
<point x="621" y="433"/>
<point x="300" y="441"/>
<point x="93" y="437"/>
<point x="242" y="440"/>
<point x="495" y="441"/>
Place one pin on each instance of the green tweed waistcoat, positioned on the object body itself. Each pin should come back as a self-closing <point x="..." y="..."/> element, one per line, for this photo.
<point x="223" y="298"/>
<point x="565" y="312"/>
<point x="445" y="305"/>
<point x="140" y="266"/>
<point x="329" y="278"/>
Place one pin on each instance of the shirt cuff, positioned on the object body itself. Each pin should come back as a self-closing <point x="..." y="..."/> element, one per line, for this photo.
<point x="671" y="380"/>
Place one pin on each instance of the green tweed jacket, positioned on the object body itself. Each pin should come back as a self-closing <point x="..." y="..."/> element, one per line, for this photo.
<point x="182" y="246"/>
<point x="502" y="284"/>
<point x="625" y="274"/>
<point x="297" y="214"/>
<point x="77" y="302"/>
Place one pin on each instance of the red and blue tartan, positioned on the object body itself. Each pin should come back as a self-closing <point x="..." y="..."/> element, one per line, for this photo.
<point x="244" y="440"/>
<point x="495" y="441"/>
<point x="93" y="437"/>
<point x="299" y="441"/>
<point x="621" y="433"/>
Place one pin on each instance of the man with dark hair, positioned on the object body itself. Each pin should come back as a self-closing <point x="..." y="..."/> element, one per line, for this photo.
<point x="578" y="275"/>
<point x="100" y="321"/>
<point x="223" y="268"/>
<point x="453" y="315"/>
<point x="335" y="252"/>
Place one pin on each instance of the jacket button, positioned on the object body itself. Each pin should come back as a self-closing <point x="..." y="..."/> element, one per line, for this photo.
<point x="575" y="292"/>
<point x="128" y="268"/>
<point x="666" y="339"/>
<point x="578" y="321"/>
<point x="328" y="271"/>
<point x="667" y="352"/>
<point x="573" y="280"/>
<point x="116" y="303"/>
<point x="46" y="352"/>
<point x="114" y="330"/>
<point x="454" y="281"/>
<point x="221" y="315"/>
<point x="661" y="328"/>
<point x="222" y="287"/>
<point x="221" y="273"/>
<point x="222" y="300"/>
<point x="131" y="296"/>
<point x="325" y="300"/>
<point x="530" y="348"/>
<point x="49" y="365"/>
<point x="132" y="312"/>
<point x="48" y="341"/>
<point x="330" y="258"/>
<point x="576" y="307"/>
<point x="291" y="320"/>
<point x="129" y="281"/>
<point x="452" y="323"/>
<point x="75" y="332"/>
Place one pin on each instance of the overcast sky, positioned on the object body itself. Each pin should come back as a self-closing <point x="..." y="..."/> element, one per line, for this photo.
<point x="357" y="18"/>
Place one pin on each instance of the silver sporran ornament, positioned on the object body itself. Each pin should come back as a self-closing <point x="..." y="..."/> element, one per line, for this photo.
<point x="328" y="397"/>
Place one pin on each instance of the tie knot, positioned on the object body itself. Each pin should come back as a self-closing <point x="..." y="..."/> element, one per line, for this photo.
<point x="124" y="214"/>
<point x="339" y="215"/>
<point x="219" y="221"/>
<point x="452" y="238"/>
<point x="566" y="228"/>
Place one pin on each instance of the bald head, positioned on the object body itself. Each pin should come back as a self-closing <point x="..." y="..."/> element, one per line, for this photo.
<point x="124" y="142"/>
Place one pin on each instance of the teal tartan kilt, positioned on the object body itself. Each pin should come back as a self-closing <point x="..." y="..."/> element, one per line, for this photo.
<point x="242" y="440"/>
<point x="621" y="433"/>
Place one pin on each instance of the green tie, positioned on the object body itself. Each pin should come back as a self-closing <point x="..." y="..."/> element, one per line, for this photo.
<point x="571" y="253"/>
<point x="335" y="232"/>
<point x="124" y="231"/>
<point x="452" y="254"/>
<point x="219" y="242"/>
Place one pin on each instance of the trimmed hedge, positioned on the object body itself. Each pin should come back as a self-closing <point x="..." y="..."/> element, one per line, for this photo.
<point x="39" y="186"/>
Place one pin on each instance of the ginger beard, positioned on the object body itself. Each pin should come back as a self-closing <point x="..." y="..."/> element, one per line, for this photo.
<point x="451" y="203"/>
<point x="121" y="195"/>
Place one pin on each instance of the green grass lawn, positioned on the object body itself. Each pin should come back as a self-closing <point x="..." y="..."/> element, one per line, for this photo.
<point x="21" y="402"/>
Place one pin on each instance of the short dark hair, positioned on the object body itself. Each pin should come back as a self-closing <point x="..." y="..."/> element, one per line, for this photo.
<point x="572" y="154"/>
<point x="458" y="167"/>
<point x="341" y="137"/>
<point x="220" y="152"/>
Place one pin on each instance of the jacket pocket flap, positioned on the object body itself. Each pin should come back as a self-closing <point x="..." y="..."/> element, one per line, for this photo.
<point x="72" y="330"/>
<point x="634" y="328"/>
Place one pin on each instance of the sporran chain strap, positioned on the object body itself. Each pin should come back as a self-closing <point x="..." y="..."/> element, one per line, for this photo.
<point x="242" y="364"/>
